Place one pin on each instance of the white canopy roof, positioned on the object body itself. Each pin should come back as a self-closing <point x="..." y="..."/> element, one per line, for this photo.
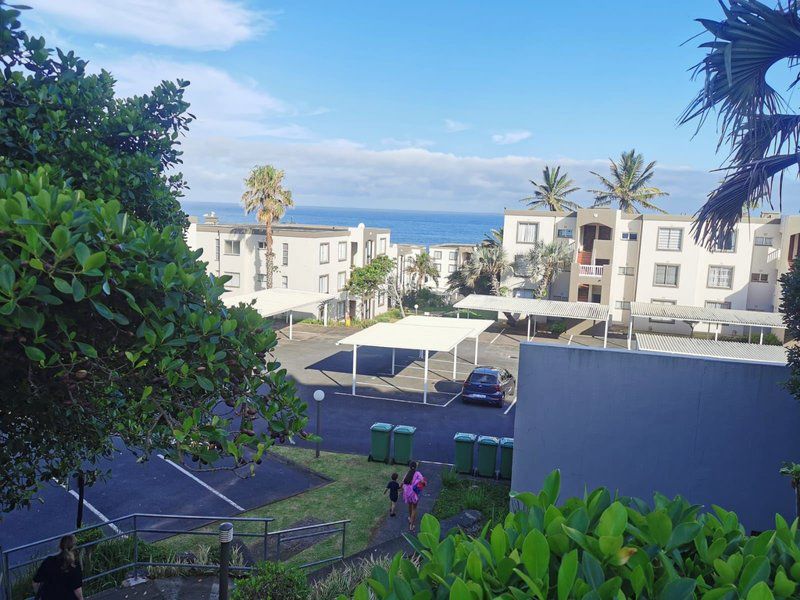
<point x="477" y="326"/>
<point x="532" y="306"/>
<point x="721" y="316"/>
<point x="648" y="342"/>
<point x="409" y="337"/>
<point x="276" y="301"/>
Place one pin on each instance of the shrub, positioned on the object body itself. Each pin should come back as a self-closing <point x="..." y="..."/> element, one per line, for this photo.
<point x="344" y="579"/>
<point x="449" y="478"/>
<point x="558" y="328"/>
<point x="598" y="547"/>
<point x="273" y="581"/>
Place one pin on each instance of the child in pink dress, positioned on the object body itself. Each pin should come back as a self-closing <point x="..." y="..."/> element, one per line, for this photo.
<point x="413" y="484"/>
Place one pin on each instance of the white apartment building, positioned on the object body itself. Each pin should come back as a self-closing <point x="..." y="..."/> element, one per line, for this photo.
<point x="448" y="258"/>
<point x="314" y="258"/>
<point x="619" y="258"/>
<point x="406" y="254"/>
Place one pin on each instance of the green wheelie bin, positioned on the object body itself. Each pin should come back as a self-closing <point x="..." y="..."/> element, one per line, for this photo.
<point x="464" y="450"/>
<point x="403" y="444"/>
<point x="506" y="457"/>
<point x="487" y="455"/>
<point x="380" y="436"/>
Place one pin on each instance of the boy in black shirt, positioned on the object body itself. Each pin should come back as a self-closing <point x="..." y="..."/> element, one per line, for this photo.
<point x="392" y="487"/>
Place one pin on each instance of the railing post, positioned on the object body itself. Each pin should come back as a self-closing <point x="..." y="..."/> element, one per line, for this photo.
<point x="225" y="539"/>
<point x="266" y="537"/>
<point x="6" y="574"/>
<point x="278" y="548"/>
<point x="135" y="544"/>
<point x="344" y="535"/>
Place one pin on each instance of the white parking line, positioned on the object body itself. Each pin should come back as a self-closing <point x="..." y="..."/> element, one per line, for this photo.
<point x="497" y="336"/>
<point x="453" y="398"/>
<point x="201" y="482"/>
<point x="510" y="406"/>
<point x="367" y="383"/>
<point x="389" y="399"/>
<point x="97" y="513"/>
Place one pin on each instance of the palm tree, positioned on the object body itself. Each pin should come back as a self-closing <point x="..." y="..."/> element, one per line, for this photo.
<point x="628" y="186"/>
<point x="552" y="193"/>
<point x="493" y="238"/>
<point x="421" y="269"/>
<point x="547" y="261"/>
<point x="265" y="196"/>
<point x="752" y="117"/>
<point x="490" y="262"/>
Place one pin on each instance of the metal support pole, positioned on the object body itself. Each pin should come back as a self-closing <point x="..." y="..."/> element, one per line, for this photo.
<point x="325" y="314"/>
<point x="534" y="326"/>
<point x="6" y="578"/>
<point x="477" y="336"/>
<point x="355" y="359"/>
<point x="319" y="396"/>
<point x="458" y="313"/>
<point x="291" y="323"/>
<point x="716" y="333"/>
<point x="225" y="539"/>
<point x="630" y="331"/>
<point x="761" y="337"/>
<point x="605" y="334"/>
<point x="455" y="358"/>
<point x="749" y="333"/>
<point x="135" y="544"/>
<point x="529" y="328"/>
<point x="266" y="539"/>
<point x="425" y="392"/>
<point x="392" y="361"/>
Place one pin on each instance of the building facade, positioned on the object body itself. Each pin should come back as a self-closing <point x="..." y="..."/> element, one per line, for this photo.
<point x="448" y="258"/>
<point x="618" y="258"/>
<point x="312" y="258"/>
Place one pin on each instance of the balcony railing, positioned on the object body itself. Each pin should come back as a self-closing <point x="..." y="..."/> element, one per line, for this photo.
<point x="590" y="270"/>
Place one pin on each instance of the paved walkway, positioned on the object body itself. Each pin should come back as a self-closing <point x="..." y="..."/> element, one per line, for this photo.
<point x="172" y="588"/>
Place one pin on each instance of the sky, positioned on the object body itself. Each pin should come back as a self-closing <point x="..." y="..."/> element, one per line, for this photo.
<point x="413" y="105"/>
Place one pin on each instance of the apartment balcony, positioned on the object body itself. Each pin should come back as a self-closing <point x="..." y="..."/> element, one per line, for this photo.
<point x="590" y="270"/>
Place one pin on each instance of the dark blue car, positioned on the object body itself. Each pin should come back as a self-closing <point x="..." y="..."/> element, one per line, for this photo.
<point x="489" y="385"/>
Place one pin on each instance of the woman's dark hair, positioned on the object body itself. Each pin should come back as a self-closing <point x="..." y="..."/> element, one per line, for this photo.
<point x="412" y="468"/>
<point x="66" y="556"/>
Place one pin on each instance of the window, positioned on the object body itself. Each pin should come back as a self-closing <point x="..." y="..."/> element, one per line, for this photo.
<point x="759" y="277"/>
<point x="324" y="253"/>
<point x="669" y="238"/>
<point x="262" y="245"/>
<point x="370" y="247"/>
<point x="216" y="249"/>
<point x="381" y="297"/>
<point x="622" y="305"/>
<point x="437" y="254"/>
<point x="453" y="256"/>
<point x="666" y="275"/>
<point x="727" y="243"/>
<point x="527" y="233"/>
<point x="451" y="268"/>
<point x="717" y="304"/>
<point x="340" y="310"/>
<point x="720" y="277"/>
<point x="284" y="281"/>
<point x="262" y="278"/>
<point x="382" y="245"/>
<point x="437" y="266"/>
<point x="284" y="254"/>
<point x="341" y="280"/>
<point x="232" y="247"/>
<point x="629" y="236"/>
<point x="626" y="271"/>
<point x="235" y="281"/>
<point x="342" y="250"/>
<point x="761" y="240"/>
<point x="323" y="284"/>
<point x="564" y="233"/>
<point x="656" y="320"/>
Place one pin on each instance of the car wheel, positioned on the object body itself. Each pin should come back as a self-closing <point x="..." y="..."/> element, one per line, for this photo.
<point x="499" y="403"/>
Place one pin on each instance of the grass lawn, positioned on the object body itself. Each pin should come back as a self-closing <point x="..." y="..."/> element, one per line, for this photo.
<point x="458" y="494"/>
<point x="356" y="493"/>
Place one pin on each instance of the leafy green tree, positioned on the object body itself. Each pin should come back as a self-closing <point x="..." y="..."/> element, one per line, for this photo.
<point x="461" y="282"/>
<point x="265" y="196"/>
<point x="752" y="40"/>
<point x="552" y="193"/>
<point x="52" y="111"/>
<point x="421" y="269"/>
<point x="489" y="262"/>
<point x="628" y="186"/>
<point x="365" y="282"/>
<point x="546" y="261"/>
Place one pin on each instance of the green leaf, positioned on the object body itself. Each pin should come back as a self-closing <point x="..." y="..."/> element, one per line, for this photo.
<point x="87" y="349"/>
<point x="552" y="486"/>
<point x="683" y="534"/>
<point x="660" y="527"/>
<point x="62" y="286"/>
<point x="536" y="554"/>
<point x="755" y="571"/>
<point x="204" y="383"/>
<point x="783" y="586"/>
<point x="34" y="353"/>
<point x="94" y="261"/>
<point x="567" y="572"/>
<point x="610" y="544"/>
<point x="82" y="253"/>
<point x="60" y="237"/>
<point x="760" y="591"/>
<point x="678" y="589"/>
<point x="78" y="291"/>
<point x="724" y="571"/>
<point x="613" y="521"/>
<point x="7" y="278"/>
<point x="592" y="571"/>
<point x="499" y="542"/>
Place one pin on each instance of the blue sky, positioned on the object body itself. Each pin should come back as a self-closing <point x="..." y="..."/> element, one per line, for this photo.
<point x="421" y="105"/>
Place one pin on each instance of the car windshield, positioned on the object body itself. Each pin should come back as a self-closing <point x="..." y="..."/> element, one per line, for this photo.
<point x="484" y="378"/>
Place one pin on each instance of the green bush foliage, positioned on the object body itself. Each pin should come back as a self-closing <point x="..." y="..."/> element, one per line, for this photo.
<point x="273" y="581"/>
<point x="598" y="547"/>
<point x="110" y="327"/>
<point x="558" y="327"/>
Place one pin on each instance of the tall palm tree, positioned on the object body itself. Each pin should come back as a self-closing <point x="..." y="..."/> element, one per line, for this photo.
<point x="552" y="193"/>
<point x="490" y="262"/>
<point x="547" y="261"/>
<point x="264" y="195"/>
<point x="628" y="186"/>
<point x="760" y="127"/>
<point x="421" y="269"/>
<point x="493" y="238"/>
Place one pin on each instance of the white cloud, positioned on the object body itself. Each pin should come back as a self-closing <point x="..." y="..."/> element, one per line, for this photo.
<point x="398" y="143"/>
<point x="453" y="126"/>
<point x="344" y="173"/>
<point x="191" y="24"/>
<point x="511" y="137"/>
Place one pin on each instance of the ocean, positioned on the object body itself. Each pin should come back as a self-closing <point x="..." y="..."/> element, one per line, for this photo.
<point x="408" y="227"/>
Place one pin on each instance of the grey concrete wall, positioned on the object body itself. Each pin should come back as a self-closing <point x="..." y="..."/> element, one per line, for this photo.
<point x="713" y="431"/>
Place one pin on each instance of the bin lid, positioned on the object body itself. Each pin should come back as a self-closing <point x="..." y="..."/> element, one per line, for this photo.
<point x="465" y="437"/>
<point x="410" y="429"/>
<point x="507" y="442"/>
<point x="381" y="427"/>
<point x="488" y="440"/>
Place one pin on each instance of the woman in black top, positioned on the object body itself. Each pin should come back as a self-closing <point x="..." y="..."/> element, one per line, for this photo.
<point x="59" y="577"/>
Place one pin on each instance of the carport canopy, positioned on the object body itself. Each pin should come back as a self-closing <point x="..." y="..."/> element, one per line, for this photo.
<point x="408" y="336"/>
<point x="534" y="307"/>
<point x="670" y="344"/>
<point x="273" y="302"/>
<point x="699" y="314"/>
<point x="478" y="326"/>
